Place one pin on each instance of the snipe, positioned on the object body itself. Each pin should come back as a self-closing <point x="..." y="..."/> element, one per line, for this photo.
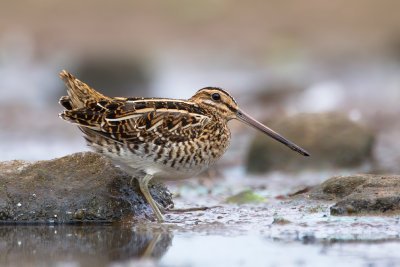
<point x="157" y="137"/>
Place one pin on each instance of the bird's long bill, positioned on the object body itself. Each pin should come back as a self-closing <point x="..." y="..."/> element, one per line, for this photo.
<point x="259" y="126"/>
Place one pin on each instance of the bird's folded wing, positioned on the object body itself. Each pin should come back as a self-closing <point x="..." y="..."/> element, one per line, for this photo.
<point x="124" y="124"/>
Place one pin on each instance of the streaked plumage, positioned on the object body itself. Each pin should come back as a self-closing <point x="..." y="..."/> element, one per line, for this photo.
<point x="157" y="137"/>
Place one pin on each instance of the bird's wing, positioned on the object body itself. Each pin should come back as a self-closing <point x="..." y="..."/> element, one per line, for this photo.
<point x="138" y="121"/>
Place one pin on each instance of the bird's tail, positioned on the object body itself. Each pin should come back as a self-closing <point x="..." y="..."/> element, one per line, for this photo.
<point x="79" y="93"/>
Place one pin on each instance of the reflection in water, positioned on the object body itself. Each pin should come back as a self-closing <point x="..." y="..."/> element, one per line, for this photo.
<point x="85" y="245"/>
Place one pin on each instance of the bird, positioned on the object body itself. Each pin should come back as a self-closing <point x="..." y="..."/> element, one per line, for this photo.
<point x="161" y="138"/>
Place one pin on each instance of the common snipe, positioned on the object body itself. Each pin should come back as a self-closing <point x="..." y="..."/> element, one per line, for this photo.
<point x="157" y="137"/>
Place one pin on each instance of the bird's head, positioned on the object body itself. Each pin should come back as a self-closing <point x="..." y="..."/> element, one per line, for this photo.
<point x="224" y="105"/>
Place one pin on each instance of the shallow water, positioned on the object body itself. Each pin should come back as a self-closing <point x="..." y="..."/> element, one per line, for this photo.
<point x="102" y="245"/>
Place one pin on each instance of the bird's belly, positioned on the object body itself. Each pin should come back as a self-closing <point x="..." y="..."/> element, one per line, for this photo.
<point x="168" y="162"/>
<point x="137" y="166"/>
<point x="159" y="171"/>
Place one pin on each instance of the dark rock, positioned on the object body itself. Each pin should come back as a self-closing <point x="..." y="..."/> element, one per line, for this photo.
<point x="372" y="205"/>
<point x="363" y="193"/>
<point x="82" y="187"/>
<point x="332" y="140"/>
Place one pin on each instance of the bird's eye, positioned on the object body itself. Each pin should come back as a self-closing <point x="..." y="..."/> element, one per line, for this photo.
<point x="216" y="97"/>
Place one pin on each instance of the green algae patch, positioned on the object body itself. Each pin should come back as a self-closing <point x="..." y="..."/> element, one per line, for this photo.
<point x="245" y="197"/>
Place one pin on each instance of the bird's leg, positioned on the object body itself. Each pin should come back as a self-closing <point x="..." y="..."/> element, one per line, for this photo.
<point x="144" y="187"/>
<point x="150" y="247"/>
<point x="160" y="207"/>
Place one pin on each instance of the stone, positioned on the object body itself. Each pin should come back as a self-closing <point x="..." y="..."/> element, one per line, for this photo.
<point x="360" y="194"/>
<point x="332" y="139"/>
<point x="82" y="187"/>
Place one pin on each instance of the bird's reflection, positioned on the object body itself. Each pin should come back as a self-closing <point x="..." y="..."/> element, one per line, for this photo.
<point x="84" y="244"/>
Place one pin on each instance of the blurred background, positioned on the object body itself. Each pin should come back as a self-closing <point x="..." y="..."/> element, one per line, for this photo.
<point x="326" y="74"/>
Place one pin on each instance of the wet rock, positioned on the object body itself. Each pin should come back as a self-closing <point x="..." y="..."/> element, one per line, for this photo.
<point x="364" y="193"/>
<point x="332" y="139"/>
<point x="82" y="187"/>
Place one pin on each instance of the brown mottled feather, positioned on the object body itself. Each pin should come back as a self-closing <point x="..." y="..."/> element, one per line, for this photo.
<point x="79" y="93"/>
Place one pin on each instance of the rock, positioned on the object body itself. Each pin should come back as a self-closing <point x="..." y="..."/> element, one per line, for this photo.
<point x="332" y="140"/>
<point x="363" y="193"/>
<point x="82" y="187"/>
<point x="337" y="187"/>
